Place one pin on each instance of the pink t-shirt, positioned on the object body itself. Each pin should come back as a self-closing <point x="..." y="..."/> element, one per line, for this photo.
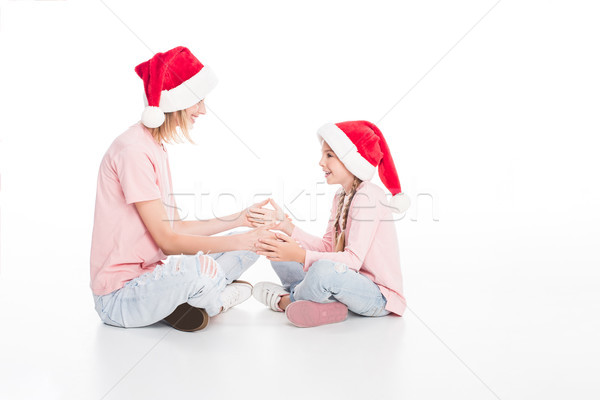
<point x="134" y="168"/>
<point x="371" y="243"/>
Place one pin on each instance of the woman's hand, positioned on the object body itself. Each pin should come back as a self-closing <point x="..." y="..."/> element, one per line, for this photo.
<point x="260" y="216"/>
<point x="247" y="240"/>
<point x="244" y="217"/>
<point x="280" y="248"/>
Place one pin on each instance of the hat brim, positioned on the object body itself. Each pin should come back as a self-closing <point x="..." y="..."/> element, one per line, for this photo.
<point x="346" y="151"/>
<point x="189" y="92"/>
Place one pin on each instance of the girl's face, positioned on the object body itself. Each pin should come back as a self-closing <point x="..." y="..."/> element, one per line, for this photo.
<point x="194" y="111"/>
<point x="335" y="171"/>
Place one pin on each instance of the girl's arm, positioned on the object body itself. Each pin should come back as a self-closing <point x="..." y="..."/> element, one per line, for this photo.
<point x="154" y="216"/>
<point x="315" y="243"/>
<point x="363" y="222"/>
<point x="214" y="225"/>
<point x="267" y="216"/>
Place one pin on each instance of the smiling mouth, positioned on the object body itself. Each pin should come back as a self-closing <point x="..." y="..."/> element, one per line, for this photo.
<point x="327" y="173"/>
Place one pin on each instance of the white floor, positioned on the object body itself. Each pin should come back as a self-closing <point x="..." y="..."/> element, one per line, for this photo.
<point x="510" y="313"/>
<point x="502" y="124"/>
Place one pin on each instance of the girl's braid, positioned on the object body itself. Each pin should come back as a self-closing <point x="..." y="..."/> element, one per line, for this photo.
<point x="340" y="236"/>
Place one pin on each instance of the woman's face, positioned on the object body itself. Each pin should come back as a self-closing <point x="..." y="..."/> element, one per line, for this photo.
<point x="335" y="171"/>
<point x="194" y="111"/>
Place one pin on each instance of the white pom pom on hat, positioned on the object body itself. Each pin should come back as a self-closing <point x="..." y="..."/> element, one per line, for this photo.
<point x="400" y="202"/>
<point x="362" y="149"/>
<point x="173" y="81"/>
<point x="153" y="117"/>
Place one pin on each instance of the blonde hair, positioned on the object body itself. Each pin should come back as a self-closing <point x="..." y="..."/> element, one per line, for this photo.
<point x="340" y="236"/>
<point x="168" y="133"/>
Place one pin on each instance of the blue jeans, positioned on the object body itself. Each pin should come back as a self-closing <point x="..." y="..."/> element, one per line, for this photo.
<point x="152" y="296"/>
<point x="328" y="281"/>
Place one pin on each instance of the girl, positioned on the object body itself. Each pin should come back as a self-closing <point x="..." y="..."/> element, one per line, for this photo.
<point x="356" y="264"/>
<point x="133" y="230"/>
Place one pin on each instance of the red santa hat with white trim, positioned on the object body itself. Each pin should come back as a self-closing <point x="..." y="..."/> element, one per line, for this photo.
<point x="361" y="147"/>
<point x="173" y="81"/>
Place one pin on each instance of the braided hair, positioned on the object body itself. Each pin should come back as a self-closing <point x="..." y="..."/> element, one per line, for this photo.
<point x="340" y="233"/>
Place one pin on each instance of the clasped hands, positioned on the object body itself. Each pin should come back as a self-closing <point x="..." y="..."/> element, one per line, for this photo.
<point x="278" y="246"/>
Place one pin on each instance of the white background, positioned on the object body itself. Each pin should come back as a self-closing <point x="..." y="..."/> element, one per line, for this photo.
<point x="496" y="118"/>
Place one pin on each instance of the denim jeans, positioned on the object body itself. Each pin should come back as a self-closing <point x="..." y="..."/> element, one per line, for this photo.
<point x="328" y="281"/>
<point x="152" y="296"/>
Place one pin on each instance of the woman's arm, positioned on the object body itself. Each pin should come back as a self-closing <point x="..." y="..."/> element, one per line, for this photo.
<point x="155" y="219"/>
<point x="214" y="225"/>
<point x="208" y="227"/>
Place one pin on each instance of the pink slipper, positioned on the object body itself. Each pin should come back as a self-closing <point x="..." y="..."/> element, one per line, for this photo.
<point x="305" y="314"/>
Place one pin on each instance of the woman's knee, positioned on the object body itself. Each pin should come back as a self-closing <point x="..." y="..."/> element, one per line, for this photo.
<point x="251" y="256"/>
<point x="193" y="268"/>
<point x="207" y="267"/>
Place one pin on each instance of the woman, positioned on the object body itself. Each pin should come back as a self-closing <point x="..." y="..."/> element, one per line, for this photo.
<point x="136" y="223"/>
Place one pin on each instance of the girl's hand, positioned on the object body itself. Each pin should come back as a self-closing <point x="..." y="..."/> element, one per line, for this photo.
<point x="282" y="248"/>
<point x="260" y="216"/>
<point x="244" y="217"/>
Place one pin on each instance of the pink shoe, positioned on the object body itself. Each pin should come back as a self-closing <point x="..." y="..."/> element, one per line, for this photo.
<point x="305" y="314"/>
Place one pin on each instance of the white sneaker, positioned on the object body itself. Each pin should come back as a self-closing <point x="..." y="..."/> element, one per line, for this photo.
<point x="235" y="293"/>
<point x="269" y="294"/>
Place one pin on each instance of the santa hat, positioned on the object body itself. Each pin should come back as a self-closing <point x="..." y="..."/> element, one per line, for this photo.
<point x="174" y="80"/>
<point x="361" y="147"/>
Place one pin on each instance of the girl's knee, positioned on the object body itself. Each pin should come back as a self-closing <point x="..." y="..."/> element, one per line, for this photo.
<point x="326" y="268"/>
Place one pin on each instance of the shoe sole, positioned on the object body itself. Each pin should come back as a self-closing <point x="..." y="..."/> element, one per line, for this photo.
<point x="188" y="319"/>
<point x="244" y="282"/>
<point x="306" y="314"/>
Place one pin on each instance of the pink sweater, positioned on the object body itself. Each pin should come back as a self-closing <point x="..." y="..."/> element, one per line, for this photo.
<point x="371" y="243"/>
<point x="134" y="168"/>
